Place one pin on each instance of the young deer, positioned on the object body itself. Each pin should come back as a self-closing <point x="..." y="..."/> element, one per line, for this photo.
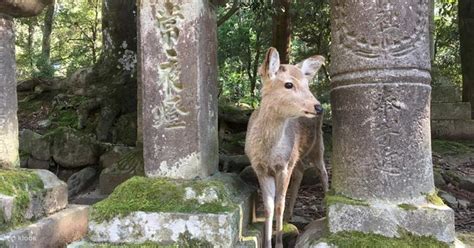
<point x="281" y="135"/>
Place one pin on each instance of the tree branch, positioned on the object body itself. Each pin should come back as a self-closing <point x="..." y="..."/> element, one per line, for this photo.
<point x="229" y="14"/>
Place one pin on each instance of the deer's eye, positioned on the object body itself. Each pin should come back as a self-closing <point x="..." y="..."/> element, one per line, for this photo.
<point x="288" y="85"/>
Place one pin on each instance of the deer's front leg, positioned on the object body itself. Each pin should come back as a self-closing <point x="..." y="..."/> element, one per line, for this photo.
<point x="282" y="180"/>
<point x="267" y="185"/>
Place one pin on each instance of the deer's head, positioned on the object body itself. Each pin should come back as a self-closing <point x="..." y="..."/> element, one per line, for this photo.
<point x="286" y="87"/>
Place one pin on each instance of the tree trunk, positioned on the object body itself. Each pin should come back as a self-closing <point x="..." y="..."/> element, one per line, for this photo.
<point x="45" y="62"/>
<point x="466" y="33"/>
<point x="114" y="74"/>
<point x="281" y="31"/>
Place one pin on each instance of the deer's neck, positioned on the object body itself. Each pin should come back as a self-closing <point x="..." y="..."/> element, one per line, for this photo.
<point x="272" y="125"/>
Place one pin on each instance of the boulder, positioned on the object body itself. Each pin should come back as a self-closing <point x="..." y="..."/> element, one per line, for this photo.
<point x="249" y="176"/>
<point x="81" y="180"/>
<point x="467" y="183"/>
<point x="233" y="163"/>
<point x="37" y="145"/>
<point x="72" y="150"/>
<point x="125" y="130"/>
<point x="38" y="164"/>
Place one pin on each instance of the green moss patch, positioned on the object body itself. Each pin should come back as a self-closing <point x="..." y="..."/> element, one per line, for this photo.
<point x="162" y="195"/>
<point x="19" y="184"/>
<point x="332" y="198"/>
<point x="434" y="198"/>
<point x="365" y="240"/>
<point x="407" y="206"/>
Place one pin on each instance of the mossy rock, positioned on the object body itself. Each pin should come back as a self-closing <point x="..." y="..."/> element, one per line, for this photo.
<point x="125" y="130"/>
<point x="445" y="147"/>
<point x="20" y="184"/>
<point x="365" y="240"/>
<point x="165" y="195"/>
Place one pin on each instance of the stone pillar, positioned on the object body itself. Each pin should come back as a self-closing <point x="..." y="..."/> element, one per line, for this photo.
<point x="178" y="74"/>
<point x="381" y="115"/>
<point x="8" y="99"/>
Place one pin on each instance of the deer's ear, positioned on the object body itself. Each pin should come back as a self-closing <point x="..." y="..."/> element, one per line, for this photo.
<point x="311" y="66"/>
<point x="271" y="64"/>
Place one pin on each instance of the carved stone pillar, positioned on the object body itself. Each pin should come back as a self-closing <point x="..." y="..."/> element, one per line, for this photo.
<point x="178" y="74"/>
<point x="381" y="120"/>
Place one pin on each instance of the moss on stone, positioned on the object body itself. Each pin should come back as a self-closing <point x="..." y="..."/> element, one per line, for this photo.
<point x="407" y="207"/>
<point x="434" y="198"/>
<point x="366" y="240"/>
<point x="332" y="198"/>
<point x="290" y="229"/>
<point x="19" y="184"/>
<point x="161" y="195"/>
<point x="143" y="245"/>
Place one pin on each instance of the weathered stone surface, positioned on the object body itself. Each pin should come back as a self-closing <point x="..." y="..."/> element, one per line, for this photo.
<point x="380" y="100"/>
<point x="125" y="130"/>
<point x="388" y="220"/>
<point x="445" y="93"/>
<point x="22" y="8"/>
<point x="8" y="98"/>
<point x="314" y="231"/>
<point x="467" y="183"/>
<point x="71" y="149"/>
<point x="6" y="207"/>
<point x="233" y="163"/>
<point x="178" y="75"/>
<point x="56" y="230"/>
<point x="81" y="180"/>
<point x="55" y="192"/>
<point x="453" y="129"/>
<point x="38" y="164"/>
<point x="128" y="165"/>
<point x="451" y="111"/>
<point x="37" y="145"/>
<point x="109" y="158"/>
<point x="249" y="176"/>
<point x="222" y="228"/>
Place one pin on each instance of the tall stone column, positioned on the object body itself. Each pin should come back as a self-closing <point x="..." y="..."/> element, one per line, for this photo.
<point x="8" y="99"/>
<point x="178" y="74"/>
<point x="381" y="120"/>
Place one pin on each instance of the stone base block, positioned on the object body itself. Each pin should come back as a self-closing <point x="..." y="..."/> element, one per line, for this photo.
<point x="453" y="129"/>
<point x="445" y="94"/>
<point x="29" y="195"/>
<point x="56" y="230"/>
<point x="215" y="212"/>
<point x="451" y="111"/>
<point x="393" y="220"/>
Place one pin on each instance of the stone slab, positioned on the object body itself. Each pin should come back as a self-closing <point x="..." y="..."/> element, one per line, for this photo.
<point x="178" y="74"/>
<point x="57" y="230"/>
<point x="453" y="129"/>
<point x="55" y="195"/>
<point x="445" y="94"/>
<point x="451" y="111"/>
<point x="388" y="220"/>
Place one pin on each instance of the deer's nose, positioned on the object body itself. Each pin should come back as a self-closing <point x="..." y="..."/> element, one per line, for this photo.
<point x="319" y="109"/>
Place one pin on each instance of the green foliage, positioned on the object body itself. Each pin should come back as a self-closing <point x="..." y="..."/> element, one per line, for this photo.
<point x="447" y="61"/>
<point x="366" y="240"/>
<point x="75" y="40"/>
<point x="140" y="194"/>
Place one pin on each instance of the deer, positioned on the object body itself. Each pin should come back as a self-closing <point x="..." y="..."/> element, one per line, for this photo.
<point x="283" y="133"/>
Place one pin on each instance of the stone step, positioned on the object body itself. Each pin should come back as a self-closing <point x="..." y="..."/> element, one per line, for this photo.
<point x="453" y="129"/>
<point x="213" y="211"/>
<point x="445" y="94"/>
<point x="38" y="202"/>
<point x="57" y="230"/>
<point x="451" y="111"/>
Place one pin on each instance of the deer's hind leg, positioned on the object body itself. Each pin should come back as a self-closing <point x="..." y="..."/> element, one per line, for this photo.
<point x="295" y="184"/>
